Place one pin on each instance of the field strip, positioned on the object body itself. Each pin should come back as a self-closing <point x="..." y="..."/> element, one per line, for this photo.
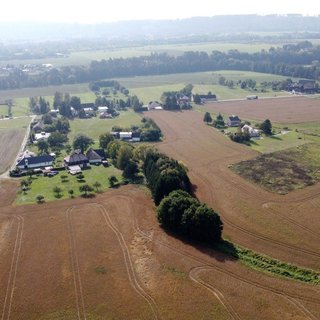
<point x="208" y="264"/>
<point x="7" y="304"/>
<point x="128" y="262"/>
<point x="193" y="275"/>
<point x="259" y="236"/>
<point x="75" y="268"/>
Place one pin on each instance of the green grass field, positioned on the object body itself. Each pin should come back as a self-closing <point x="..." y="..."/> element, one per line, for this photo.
<point x="14" y="123"/>
<point x="94" y="127"/>
<point x="44" y="185"/>
<point x="85" y="57"/>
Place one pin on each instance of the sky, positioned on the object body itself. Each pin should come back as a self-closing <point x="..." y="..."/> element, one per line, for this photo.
<point x="96" y="11"/>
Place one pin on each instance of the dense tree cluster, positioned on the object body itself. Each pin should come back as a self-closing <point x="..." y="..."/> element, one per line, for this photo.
<point x="180" y="212"/>
<point x="164" y="175"/>
<point x="292" y="60"/>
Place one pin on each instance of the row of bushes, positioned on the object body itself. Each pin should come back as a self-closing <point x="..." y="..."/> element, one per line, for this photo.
<point x="178" y="210"/>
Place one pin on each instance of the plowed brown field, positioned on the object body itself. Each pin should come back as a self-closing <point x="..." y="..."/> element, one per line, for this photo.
<point x="283" y="110"/>
<point x="107" y="258"/>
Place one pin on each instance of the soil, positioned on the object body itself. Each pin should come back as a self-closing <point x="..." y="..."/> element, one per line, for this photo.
<point x="107" y="258"/>
<point x="281" y="110"/>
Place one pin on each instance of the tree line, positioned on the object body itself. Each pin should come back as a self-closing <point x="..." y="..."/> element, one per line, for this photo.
<point x="293" y="60"/>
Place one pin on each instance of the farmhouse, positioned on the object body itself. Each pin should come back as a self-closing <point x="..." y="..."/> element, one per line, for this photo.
<point x="38" y="127"/>
<point x="95" y="156"/>
<point x="153" y="105"/>
<point x="35" y="162"/>
<point x="303" y="86"/>
<point x="206" y="98"/>
<point x="103" y="109"/>
<point x="125" y="135"/>
<point x="76" y="159"/>
<point x="254" y="133"/>
<point x="234" y="121"/>
<point x="105" y="115"/>
<point x="41" y="136"/>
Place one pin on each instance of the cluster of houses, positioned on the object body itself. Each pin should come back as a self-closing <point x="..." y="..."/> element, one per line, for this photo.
<point x="73" y="162"/>
<point x="303" y="86"/>
<point x="234" y="121"/>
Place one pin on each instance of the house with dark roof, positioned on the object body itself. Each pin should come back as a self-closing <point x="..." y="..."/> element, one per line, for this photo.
<point x="35" y="162"/>
<point x="206" y="98"/>
<point x="234" y="121"/>
<point x="76" y="159"/>
<point x="94" y="157"/>
<point x="303" y="86"/>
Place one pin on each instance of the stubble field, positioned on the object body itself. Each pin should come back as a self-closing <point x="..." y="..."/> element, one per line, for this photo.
<point x="107" y="258"/>
<point x="284" y="110"/>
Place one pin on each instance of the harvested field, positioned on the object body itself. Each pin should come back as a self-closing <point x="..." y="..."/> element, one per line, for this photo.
<point x="282" y="110"/>
<point x="249" y="213"/>
<point x="283" y="171"/>
<point x="11" y="140"/>
<point x="107" y="258"/>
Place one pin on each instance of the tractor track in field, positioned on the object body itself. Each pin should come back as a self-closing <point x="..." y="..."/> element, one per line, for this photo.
<point x="206" y="263"/>
<point x="81" y="314"/>
<point x="11" y="284"/>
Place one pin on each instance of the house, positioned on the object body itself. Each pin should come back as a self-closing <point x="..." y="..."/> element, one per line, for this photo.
<point x="103" y="109"/>
<point x="88" y="111"/>
<point x="303" y="86"/>
<point x="38" y="127"/>
<point x="254" y="133"/>
<point x="42" y="136"/>
<point x="125" y="135"/>
<point x="234" y="121"/>
<point x="206" y="98"/>
<point x="153" y="104"/>
<point x="76" y="159"/>
<point x="105" y="115"/>
<point x="35" y="162"/>
<point x="184" y="101"/>
<point x="94" y="157"/>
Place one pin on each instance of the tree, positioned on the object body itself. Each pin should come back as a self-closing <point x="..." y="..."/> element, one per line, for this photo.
<point x="85" y="189"/>
<point x="130" y="170"/>
<point x="124" y="156"/>
<point x="197" y="99"/>
<point x="112" y="181"/>
<point x="201" y="223"/>
<point x="172" y="207"/>
<point x="57" y="190"/>
<point x="222" y="81"/>
<point x="75" y="102"/>
<point x="40" y="198"/>
<point x="207" y="117"/>
<point x="266" y="127"/>
<point x="71" y="192"/>
<point x="105" y="139"/>
<point x="219" y="122"/>
<point x="58" y="98"/>
<point x="57" y="139"/>
<point x="97" y="186"/>
<point x="43" y="146"/>
<point x="82" y="142"/>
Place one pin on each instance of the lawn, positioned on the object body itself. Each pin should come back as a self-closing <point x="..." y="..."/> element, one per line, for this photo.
<point x="44" y="185"/>
<point x="94" y="127"/>
<point x="14" y="123"/>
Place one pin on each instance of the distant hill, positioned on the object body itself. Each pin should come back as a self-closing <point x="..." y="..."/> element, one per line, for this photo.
<point x="159" y="29"/>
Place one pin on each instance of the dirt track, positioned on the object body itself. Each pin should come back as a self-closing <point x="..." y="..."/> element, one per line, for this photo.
<point x="283" y="110"/>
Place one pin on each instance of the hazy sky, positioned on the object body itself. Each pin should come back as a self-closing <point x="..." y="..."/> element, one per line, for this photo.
<point x="90" y="11"/>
